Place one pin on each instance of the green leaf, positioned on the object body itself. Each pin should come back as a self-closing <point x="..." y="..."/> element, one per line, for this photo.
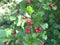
<point x="1" y="42"/>
<point x="45" y="37"/>
<point x="55" y="32"/>
<point x="59" y="27"/>
<point x="44" y="26"/>
<point x="37" y="42"/>
<point x="2" y="36"/>
<point x="23" y="23"/>
<point x="12" y="18"/>
<point x="59" y="35"/>
<point x="8" y="32"/>
<point x="34" y="35"/>
<point x="37" y="18"/>
<point x="41" y="0"/>
<point x="54" y="8"/>
<point x="30" y="10"/>
<point x="2" y="33"/>
<point x="46" y="7"/>
<point x="41" y="12"/>
<point x="47" y="1"/>
<point x="19" y="20"/>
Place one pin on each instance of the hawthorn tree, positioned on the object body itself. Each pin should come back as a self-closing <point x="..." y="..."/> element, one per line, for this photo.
<point x="25" y="24"/>
<point x="22" y="21"/>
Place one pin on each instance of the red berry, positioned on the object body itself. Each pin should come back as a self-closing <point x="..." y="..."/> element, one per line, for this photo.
<point x="5" y="43"/>
<point x="18" y="11"/>
<point x="27" y="2"/>
<point x="14" y="32"/>
<point x="28" y="29"/>
<point x="36" y="31"/>
<point x="39" y="28"/>
<point x="24" y="17"/>
<point x="31" y="0"/>
<point x="28" y="21"/>
<point x="31" y="23"/>
<point x="42" y="43"/>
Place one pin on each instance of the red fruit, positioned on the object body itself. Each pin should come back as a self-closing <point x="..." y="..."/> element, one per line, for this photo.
<point x="36" y="31"/>
<point x="5" y="43"/>
<point x="27" y="2"/>
<point x="14" y="32"/>
<point x="28" y="29"/>
<point x="31" y="23"/>
<point x="24" y="17"/>
<point x="42" y="43"/>
<point x="31" y="0"/>
<point x="28" y="21"/>
<point x="52" y="5"/>
<point x="39" y="28"/>
<point x="18" y="11"/>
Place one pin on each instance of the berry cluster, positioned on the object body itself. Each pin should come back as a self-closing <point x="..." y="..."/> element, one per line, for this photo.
<point x="28" y="30"/>
<point x="28" y="2"/>
<point x="38" y="30"/>
<point x="18" y="11"/>
<point x="30" y="22"/>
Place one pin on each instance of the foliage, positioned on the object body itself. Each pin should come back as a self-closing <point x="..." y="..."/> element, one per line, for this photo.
<point x="29" y="22"/>
<point x="53" y="19"/>
<point x="22" y="22"/>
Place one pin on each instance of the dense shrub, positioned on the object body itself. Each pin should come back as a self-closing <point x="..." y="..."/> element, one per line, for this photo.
<point x="53" y="19"/>
<point x="29" y="22"/>
<point x="22" y="23"/>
